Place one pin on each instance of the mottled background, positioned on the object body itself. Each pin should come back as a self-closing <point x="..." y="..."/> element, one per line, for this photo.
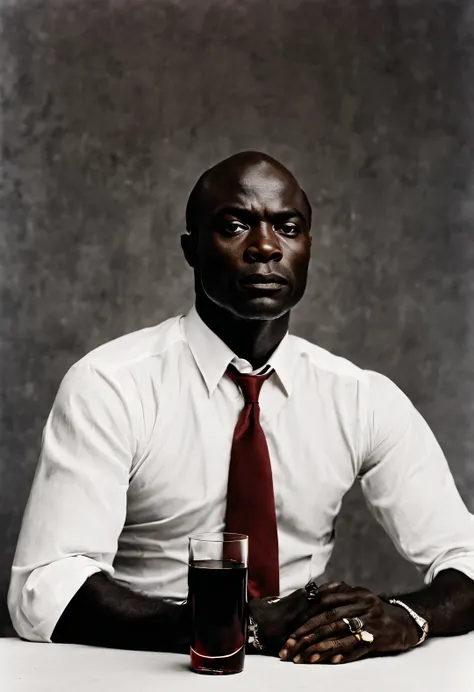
<point x="110" y="110"/>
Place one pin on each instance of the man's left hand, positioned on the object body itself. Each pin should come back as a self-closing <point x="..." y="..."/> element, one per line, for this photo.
<point x="326" y="638"/>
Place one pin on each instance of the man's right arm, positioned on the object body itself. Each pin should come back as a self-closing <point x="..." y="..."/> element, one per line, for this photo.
<point x="106" y="613"/>
<point x="62" y="574"/>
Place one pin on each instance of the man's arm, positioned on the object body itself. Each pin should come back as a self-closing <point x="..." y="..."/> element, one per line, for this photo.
<point x="106" y="613"/>
<point x="77" y="505"/>
<point x="447" y="604"/>
<point x="411" y="492"/>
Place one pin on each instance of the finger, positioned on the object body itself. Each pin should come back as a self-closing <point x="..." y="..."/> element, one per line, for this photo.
<point x="301" y="611"/>
<point x="327" y="649"/>
<point x="330" y="586"/>
<point x="333" y="594"/>
<point x="334" y="598"/>
<point x="333" y="603"/>
<point x="294" y="645"/>
<point x="324" y="632"/>
<point x="329" y="616"/>
<point x="325" y="590"/>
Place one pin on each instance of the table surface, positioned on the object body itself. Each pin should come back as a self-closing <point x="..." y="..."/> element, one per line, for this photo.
<point x="440" y="664"/>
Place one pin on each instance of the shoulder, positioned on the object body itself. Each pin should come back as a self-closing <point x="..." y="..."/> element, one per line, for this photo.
<point x="324" y="361"/>
<point x="140" y="346"/>
<point x="109" y="371"/>
<point x="321" y="359"/>
<point x="375" y="391"/>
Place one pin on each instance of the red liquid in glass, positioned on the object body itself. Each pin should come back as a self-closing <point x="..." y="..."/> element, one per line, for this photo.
<point x="218" y="598"/>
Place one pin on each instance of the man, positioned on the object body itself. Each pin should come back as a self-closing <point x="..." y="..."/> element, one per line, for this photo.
<point x="139" y="451"/>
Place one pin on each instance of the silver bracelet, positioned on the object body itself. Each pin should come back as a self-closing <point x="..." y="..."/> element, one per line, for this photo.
<point x="253" y="635"/>
<point x="421" y="622"/>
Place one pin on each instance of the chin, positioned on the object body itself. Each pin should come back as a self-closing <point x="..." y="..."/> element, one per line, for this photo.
<point x="261" y="310"/>
<point x="244" y="307"/>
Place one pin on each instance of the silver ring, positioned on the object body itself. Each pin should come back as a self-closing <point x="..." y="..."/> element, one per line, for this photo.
<point x="312" y="590"/>
<point x="355" y="625"/>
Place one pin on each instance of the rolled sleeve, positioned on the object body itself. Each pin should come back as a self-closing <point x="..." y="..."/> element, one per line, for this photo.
<point x="77" y="505"/>
<point x="409" y="487"/>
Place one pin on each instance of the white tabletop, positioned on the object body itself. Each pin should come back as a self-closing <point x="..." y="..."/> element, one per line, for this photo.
<point x="440" y="664"/>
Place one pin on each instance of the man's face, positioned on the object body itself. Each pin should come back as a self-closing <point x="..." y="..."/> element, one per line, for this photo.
<point x="253" y="246"/>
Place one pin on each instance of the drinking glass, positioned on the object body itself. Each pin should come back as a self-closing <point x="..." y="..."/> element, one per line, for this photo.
<point x="217" y="580"/>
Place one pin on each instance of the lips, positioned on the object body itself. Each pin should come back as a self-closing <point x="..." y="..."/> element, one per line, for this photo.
<point x="257" y="279"/>
<point x="264" y="282"/>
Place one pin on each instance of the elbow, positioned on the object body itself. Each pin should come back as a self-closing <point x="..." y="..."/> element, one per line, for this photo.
<point x="38" y="597"/>
<point x="19" y="615"/>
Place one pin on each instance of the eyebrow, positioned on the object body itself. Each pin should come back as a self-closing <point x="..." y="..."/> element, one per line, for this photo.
<point x="245" y="214"/>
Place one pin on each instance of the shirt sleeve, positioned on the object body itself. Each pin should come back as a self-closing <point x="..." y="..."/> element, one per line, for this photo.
<point x="409" y="488"/>
<point x="77" y="505"/>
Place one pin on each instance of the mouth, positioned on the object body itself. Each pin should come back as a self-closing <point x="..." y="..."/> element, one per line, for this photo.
<point x="264" y="282"/>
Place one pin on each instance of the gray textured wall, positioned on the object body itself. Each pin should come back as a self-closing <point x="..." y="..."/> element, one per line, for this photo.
<point x="110" y="110"/>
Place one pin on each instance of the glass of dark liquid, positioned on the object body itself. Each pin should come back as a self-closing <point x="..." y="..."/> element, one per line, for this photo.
<point x="217" y="580"/>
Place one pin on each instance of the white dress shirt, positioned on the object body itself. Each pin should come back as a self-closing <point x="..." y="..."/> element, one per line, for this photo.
<point x="135" y="457"/>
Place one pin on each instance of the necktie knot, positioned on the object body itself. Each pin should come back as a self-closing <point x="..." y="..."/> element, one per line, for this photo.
<point x="249" y="384"/>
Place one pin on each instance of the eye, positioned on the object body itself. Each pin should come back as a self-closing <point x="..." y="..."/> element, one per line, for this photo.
<point x="289" y="229"/>
<point x="234" y="227"/>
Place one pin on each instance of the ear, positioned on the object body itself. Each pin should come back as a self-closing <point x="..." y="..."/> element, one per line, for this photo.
<point x="189" y="247"/>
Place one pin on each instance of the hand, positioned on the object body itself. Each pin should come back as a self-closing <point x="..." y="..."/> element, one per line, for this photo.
<point x="325" y="637"/>
<point x="278" y="617"/>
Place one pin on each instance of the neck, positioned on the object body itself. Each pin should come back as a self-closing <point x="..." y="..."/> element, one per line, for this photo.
<point x="254" y="340"/>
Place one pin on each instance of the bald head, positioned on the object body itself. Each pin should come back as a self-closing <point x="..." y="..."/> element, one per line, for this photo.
<point x="247" y="171"/>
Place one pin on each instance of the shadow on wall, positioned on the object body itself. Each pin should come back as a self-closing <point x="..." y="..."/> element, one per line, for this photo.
<point x="111" y="113"/>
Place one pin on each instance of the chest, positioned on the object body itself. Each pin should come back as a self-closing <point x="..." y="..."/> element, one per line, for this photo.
<point x="183" y="468"/>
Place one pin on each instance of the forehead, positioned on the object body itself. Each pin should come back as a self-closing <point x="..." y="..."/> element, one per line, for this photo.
<point x="257" y="188"/>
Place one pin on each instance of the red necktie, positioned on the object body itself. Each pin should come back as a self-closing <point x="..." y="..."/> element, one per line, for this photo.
<point x="250" y="499"/>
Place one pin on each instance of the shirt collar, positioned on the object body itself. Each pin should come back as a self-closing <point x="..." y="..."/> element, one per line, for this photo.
<point x="212" y="355"/>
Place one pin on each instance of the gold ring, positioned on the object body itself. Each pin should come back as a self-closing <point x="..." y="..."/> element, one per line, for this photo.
<point x="364" y="636"/>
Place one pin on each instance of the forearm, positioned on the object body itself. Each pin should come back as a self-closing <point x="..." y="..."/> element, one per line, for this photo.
<point x="105" y="613"/>
<point x="447" y="604"/>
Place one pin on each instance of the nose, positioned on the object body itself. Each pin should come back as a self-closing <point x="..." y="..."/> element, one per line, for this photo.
<point x="264" y="245"/>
